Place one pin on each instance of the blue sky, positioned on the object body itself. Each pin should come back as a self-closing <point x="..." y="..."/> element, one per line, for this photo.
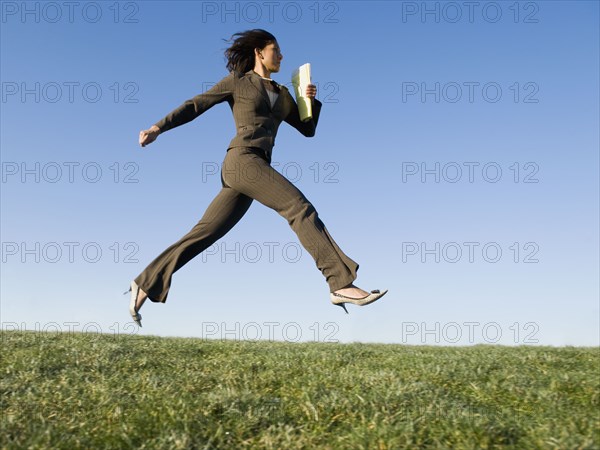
<point x="456" y="160"/>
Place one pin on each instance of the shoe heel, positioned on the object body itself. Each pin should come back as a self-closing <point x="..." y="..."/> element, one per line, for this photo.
<point x="343" y="306"/>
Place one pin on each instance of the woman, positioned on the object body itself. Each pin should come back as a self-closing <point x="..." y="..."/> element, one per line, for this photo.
<point x="259" y="105"/>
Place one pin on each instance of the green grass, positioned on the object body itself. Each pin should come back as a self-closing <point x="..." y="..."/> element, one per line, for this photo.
<point x="89" y="391"/>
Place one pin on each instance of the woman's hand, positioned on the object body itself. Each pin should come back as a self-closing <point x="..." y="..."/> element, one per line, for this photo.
<point x="149" y="136"/>
<point x="311" y="91"/>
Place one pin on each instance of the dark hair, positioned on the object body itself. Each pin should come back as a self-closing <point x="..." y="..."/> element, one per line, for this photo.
<point x="240" y="55"/>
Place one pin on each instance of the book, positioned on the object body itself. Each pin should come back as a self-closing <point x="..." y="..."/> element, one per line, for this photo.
<point x="301" y="79"/>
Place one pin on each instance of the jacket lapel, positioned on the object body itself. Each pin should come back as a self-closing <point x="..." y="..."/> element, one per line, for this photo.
<point x="258" y="84"/>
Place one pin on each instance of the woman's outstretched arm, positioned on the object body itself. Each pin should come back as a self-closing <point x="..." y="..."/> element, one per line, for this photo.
<point x="190" y="109"/>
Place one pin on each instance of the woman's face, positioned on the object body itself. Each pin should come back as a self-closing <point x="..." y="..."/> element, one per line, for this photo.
<point x="271" y="57"/>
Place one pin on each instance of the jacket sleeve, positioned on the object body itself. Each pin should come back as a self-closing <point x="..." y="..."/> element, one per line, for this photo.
<point x="197" y="105"/>
<point x="309" y="127"/>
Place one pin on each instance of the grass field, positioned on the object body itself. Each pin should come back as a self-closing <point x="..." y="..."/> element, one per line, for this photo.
<point x="93" y="391"/>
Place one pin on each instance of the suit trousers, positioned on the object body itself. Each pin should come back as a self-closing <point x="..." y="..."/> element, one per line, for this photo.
<point x="246" y="175"/>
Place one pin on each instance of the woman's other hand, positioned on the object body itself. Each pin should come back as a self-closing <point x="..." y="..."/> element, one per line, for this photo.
<point x="149" y="136"/>
<point x="311" y="91"/>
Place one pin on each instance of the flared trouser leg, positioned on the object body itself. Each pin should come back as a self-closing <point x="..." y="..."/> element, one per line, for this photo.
<point x="246" y="175"/>
<point x="222" y="214"/>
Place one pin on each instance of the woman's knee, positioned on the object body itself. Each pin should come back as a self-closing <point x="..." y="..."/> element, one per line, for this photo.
<point x="299" y="211"/>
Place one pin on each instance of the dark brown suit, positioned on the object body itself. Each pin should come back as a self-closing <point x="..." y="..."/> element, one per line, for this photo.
<point x="246" y="175"/>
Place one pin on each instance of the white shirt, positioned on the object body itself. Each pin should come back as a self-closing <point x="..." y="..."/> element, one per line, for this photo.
<point x="272" y="94"/>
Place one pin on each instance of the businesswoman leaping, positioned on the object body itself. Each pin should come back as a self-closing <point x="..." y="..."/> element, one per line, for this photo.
<point x="259" y="105"/>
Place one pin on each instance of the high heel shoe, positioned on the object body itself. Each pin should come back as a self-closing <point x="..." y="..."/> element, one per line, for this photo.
<point x="136" y="316"/>
<point x="340" y="300"/>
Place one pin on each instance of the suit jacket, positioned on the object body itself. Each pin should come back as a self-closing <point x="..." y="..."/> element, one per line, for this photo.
<point x="256" y="121"/>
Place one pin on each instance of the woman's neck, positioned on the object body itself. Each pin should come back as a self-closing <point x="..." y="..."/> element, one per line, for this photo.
<point x="262" y="72"/>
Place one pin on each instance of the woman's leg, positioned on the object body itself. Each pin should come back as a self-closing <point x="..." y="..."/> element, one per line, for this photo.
<point x="246" y="171"/>
<point x="222" y="214"/>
